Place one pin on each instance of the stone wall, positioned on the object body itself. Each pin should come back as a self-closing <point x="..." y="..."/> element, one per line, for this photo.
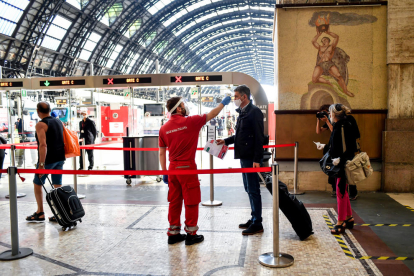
<point x="398" y="139"/>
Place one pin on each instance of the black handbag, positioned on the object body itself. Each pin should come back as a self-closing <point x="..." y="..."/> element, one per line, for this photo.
<point x="327" y="165"/>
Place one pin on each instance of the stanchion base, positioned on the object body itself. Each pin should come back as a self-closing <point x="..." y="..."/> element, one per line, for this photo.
<point x="298" y="192"/>
<point x="19" y="195"/>
<point x="81" y="196"/>
<point x="284" y="260"/>
<point x="23" y="252"/>
<point x="212" y="203"/>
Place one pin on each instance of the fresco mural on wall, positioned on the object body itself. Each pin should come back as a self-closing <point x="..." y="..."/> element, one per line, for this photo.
<point x="331" y="61"/>
<point x="337" y="58"/>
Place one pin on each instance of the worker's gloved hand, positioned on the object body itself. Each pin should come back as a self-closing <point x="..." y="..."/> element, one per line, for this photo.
<point x="226" y="100"/>
<point x="336" y="161"/>
<point x="165" y="179"/>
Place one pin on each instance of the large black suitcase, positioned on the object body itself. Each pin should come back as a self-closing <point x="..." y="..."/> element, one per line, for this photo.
<point x="293" y="209"/>
<point x="65" y="205"/>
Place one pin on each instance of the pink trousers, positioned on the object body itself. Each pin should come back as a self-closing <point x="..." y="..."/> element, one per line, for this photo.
<point x="344" y="205"/>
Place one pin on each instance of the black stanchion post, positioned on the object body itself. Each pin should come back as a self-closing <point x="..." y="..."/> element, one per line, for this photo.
<point x="276" y="259"/>
<point x="211" y="135"/>
<point x="296" y="190"/>
<point x="16" y="252"/>
<point x="13" y="163"/>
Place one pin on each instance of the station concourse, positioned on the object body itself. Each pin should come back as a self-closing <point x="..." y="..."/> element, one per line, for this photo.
<point x="106" y="69"/>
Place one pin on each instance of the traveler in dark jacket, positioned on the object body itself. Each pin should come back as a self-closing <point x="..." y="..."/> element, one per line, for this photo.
<point x="248" y="147"/>
<point x="340" y="152"/>
<point x="87" y="131"/>
<point x="51" y="155"/>
<point x="319" y="129"/>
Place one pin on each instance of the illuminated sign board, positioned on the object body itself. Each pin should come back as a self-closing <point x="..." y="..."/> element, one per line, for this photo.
<point x="11" y="84"/>
<point x="62" y="101"/>
<point x="112" y="81"/>
<point x="207" y="99"/>
<point x="61" y="82"/>
<point x="178" y="79"/>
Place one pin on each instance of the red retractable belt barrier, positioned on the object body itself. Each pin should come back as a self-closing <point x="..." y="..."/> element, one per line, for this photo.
<point x="88" y="147"/>
<point x="146" y="172"/>
<point x="99" y="147"/>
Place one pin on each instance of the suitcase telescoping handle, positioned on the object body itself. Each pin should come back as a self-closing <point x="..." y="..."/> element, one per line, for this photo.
<point x="43" y="184"/>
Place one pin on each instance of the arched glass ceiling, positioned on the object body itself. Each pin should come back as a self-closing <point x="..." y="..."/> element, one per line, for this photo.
<point x="127" y="36"/>
<point x="206" y="30"/>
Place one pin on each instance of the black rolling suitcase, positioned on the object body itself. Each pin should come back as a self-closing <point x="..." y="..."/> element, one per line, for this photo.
<point x="65" y="205"/>
<point x="293" y="209"/>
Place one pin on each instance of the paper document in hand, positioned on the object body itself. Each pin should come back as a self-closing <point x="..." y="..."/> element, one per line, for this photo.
<point x="216" y="150"/>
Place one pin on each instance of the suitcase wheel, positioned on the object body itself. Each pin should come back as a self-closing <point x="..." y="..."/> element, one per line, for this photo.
<point x="128" y="181"/>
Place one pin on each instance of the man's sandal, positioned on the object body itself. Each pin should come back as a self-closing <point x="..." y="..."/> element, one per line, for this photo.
<point x="52" y="219"/>
<point x="35" y="217"/>
<point x="338" y="229"/>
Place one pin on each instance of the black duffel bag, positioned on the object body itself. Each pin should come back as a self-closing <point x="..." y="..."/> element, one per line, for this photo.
<point x="328" y="167"/>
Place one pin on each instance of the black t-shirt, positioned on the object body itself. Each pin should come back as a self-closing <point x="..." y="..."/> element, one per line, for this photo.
<point x="325" y="126"/>
<point x="54" y="141"/>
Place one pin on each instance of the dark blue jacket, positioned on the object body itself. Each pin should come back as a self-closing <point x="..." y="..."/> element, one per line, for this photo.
<point x="249" y="136"/>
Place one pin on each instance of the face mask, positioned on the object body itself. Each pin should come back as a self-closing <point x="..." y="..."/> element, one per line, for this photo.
<point x="187" y="109"/>
<point x="237" y="102"/>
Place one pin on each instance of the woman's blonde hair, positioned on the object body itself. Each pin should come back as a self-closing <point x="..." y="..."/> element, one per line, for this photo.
<point x="340" y="111"/>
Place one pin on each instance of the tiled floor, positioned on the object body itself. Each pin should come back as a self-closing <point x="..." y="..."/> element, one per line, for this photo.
<point x="406" y="199"/>
<point x="131" y="239"/>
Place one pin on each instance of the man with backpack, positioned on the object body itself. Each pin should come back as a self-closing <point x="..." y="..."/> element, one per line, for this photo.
<point x="51" y="156"/>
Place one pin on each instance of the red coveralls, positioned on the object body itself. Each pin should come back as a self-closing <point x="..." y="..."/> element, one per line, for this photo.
<point x="180" y="135"/>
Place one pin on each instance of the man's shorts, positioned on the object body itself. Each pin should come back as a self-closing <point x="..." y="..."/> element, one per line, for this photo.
<point x="56" y="178"/>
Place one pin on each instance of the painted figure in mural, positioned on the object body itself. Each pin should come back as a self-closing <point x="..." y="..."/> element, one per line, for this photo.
<point x="331" y="60"/>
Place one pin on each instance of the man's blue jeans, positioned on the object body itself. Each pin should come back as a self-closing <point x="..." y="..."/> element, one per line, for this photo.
<point x="252" y="187"/>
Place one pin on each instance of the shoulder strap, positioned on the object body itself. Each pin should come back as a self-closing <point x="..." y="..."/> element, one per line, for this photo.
<point x="343" y="139"/>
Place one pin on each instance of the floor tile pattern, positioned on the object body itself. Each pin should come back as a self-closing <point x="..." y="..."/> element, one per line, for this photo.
<point x="131" y="240"/>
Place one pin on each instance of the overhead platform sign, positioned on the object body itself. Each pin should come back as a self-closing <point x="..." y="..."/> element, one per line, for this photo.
<point x="181" y="79"/>
<point x="126" y="81"/>
<point x="15" y="84"/>
<point x="48" y="83"/>
<point x="11" y="84"/>
<point x="61" y="83"/>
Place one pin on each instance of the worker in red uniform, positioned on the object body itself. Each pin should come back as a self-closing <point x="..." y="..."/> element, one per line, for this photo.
<point x="180" y="136"/>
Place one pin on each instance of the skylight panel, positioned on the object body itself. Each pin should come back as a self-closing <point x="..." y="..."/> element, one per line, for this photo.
<point x="153" y="10"/>
<point x="205" y="17"/>
<point x="186" y="27"/>
<point x="174" y="18"/>
<point x="74" y="3"/>
<point x="85" y="54"/>
<point x="11" y="13"/>
<point x="198" y="5"/>
<point x="227" y="11"/>
<point x="56" y="32"/>
<point x="61" y="22"/>
<point x="89" y="45"/>
<point x="7" y="27"/>
<point x="50" y="42"/>
<point x="95" y="37"/>
<point x="21" y="4"/>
